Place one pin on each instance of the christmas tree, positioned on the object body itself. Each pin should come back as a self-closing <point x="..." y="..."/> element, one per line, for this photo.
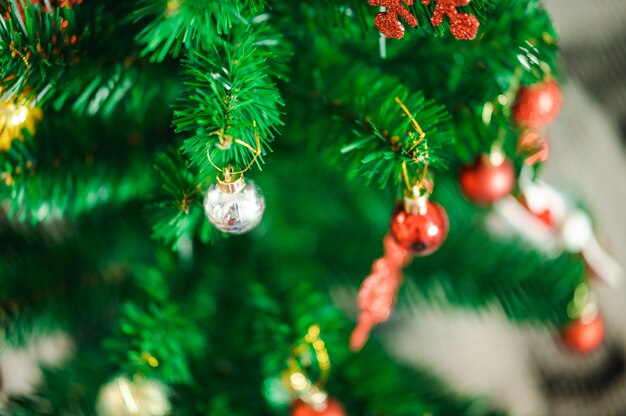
<point x="394" y="140"/>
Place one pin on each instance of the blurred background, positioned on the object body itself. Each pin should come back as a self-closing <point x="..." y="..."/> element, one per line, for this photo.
<point x="521" y="368"/>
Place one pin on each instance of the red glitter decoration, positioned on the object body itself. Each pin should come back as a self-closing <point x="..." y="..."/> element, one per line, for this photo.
<point x="333" y="408"/>
<point x="462" y="25"/>
<point x="537" y="105"/>
<point x="422" y="233"/>
<point x="484" y="182"/>
<point x="376" y="299"/>
<point x="388" y="22"/>
<point x="536" y="146"/>
<point x="378" y="291"/>
<point x="584" y="336"/>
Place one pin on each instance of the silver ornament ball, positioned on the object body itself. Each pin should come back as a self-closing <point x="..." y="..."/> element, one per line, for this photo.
<point x="234" y="207"/>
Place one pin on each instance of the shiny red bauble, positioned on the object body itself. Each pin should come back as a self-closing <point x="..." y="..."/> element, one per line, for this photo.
<point x="484" y="182"/>
<point x="537" y="105"/>
<point x="333" y="408"/>
<point x="584" y="336"/>
<point x="421" y="232"/>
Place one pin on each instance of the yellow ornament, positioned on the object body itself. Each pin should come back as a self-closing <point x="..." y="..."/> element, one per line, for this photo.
<point x="14" y="116"/>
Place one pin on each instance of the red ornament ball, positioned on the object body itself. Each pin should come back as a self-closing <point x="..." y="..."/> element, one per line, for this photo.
<point x="421" y="232"/>
<point x="584" y="336"/>
<point x="333" y="408"/>
<point x="537" y="105"/>
<point x="485" y="182"/>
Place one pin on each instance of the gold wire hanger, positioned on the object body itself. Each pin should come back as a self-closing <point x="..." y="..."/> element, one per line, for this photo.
<point x="225" y="140"/>
<point x="295" y="376"/>
<point x="413" y="189"/>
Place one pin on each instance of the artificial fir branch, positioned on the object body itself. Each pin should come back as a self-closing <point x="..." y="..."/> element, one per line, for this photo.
<point x="177" y="214"/>
<point x="228" y="90"/>
<point x="11" y="308"/>
<point x="44" y="181"/>
<point x="158" y="341"/>
<point x="191" y="24"/>
<point x="34" y="44"/>
<point x="52" y="41"/>
<point x="379" y="150"/>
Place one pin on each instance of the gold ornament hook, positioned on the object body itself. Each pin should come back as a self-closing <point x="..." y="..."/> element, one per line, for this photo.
<point x="225" y="141"/>
<point x="295" y="376"/>
<point x="421" y="184"/>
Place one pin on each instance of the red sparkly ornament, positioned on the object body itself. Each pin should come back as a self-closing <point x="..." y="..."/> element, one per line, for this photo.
<point x="486" y="181"/>
<point x="388" y="22"/>
<point x="537" y="105"/>
<point x="462" y="25"/>
<point x="420" y="226"/>
<point x="377" y="295"/>
<point x="536" y="146"/>
<point x="583" y="335"/>
<point x="331" y="408"/>
<point x="376" y="299"/>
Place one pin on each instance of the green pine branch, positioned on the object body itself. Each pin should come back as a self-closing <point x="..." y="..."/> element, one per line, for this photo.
<point x="157" y="341"/>
<point x="385" y="137"/>
<point x="61" y="174"/>
<point x="129" y="87"/>
<point x="35" y="45"/>
<point x="176" y="25"/>
<point x="65" y="53"/>
<point x="63" y="277"/>
<point x="178" y="213"/>
<point x="371" y="136"/>
<point x="229" y="91"/>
